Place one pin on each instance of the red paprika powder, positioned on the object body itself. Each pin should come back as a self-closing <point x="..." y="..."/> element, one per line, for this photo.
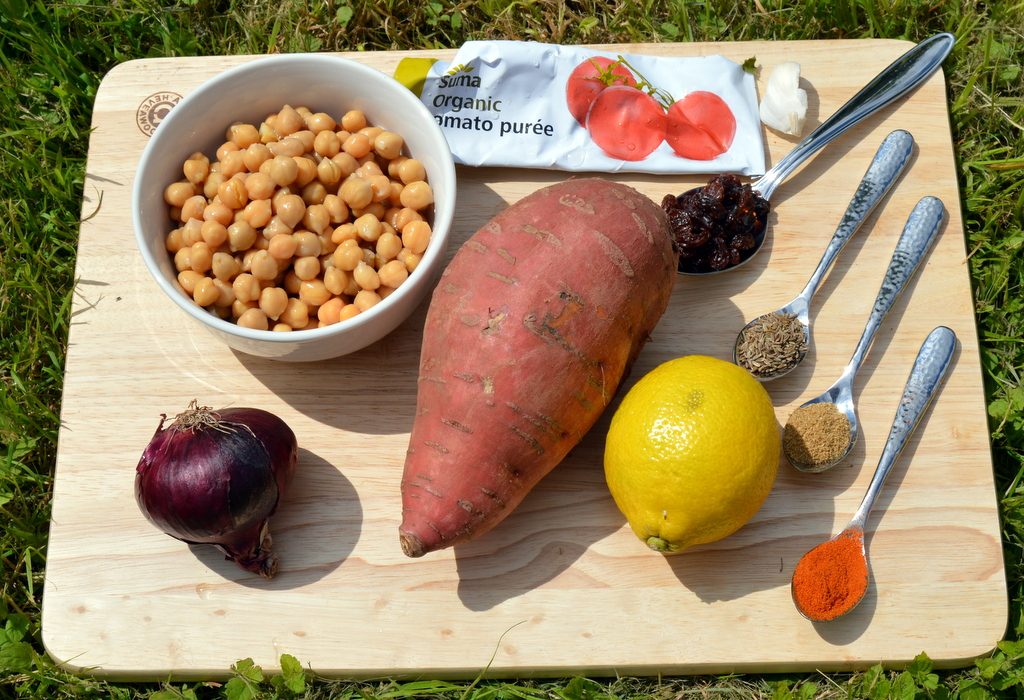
<point x="831" y="578"/>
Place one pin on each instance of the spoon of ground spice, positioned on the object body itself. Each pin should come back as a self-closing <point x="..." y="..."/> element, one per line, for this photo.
<point x="813" y="437"/>
<point x="831" y="579"/>
<point x="773" y="344"/>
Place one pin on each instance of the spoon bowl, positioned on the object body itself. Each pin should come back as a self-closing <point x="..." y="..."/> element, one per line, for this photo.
<point x="920" y="231"/>
<point x="889" y="162"/>
<point x="850" y="584"/>
<point x="893" y="82"/>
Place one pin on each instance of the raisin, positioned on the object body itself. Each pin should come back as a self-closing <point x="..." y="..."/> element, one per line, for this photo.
<point x="716" y="226"/>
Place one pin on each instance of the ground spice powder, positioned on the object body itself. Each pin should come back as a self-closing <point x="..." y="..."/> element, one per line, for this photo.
<point x="831" y="578"/>
<point x="816" y="435"/>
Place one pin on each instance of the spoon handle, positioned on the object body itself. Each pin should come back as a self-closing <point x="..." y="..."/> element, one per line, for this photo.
<point x="889" y="162"/>
<point x="933" y="359"/>
<point x="895" y="81"/>
<point x="919" y="233"/>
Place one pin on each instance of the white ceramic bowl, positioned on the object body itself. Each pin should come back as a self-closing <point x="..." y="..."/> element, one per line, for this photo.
<point x="248" y="93"/>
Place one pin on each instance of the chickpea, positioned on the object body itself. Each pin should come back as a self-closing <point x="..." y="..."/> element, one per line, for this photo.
<point x="345" y="232"/>
<point x="348" y="311"/>
<point x="288" y="121"/>
<point x="225" y="296"/>
<point x="404" y="217"/>
<point x="330" y="311"/>
<point x="188" y="279"/>
<point x="368" y="227"/>
<point x="316" y="218"/>
<point x="295" y="314"/>
<point x="306" y="138"/>
<point x="255" y="156"/>
<point x="258" y="213"/>
<point x="417" y="195"/>
<point x="290" y="209"/>
<point x="365" y="276"/>
<point x="264" y="266"/>
<point x="394" y="199"/>
<point x="335" y="279"/>
<point x="371" y="132"/>
<point x="205" y="292"/>
<point x="240" y="307"/>
<point x="375" y="208"/>
<point x="366" y="299"/>
<point x="201" y="257"/>
<point x="224" y="266"/>
<point x="259" y="186"/>
<point x="416" y="236"/>
<point x="306" y="268"/>
<point x="274" y="227"/>
<point x="381" y="186"/>
<point x="281" y="328"/>
<point x="219" y="212"/>
<point x="183" y="259"/>
<point x="232" y="163"/>
<point x="388" y="144"/>
<point x="357" y="145"/>
<point x="214" y="233"/>
<point x="283" y="170"/>
<point x="291" y="283"/>
<point x="243" y="135"/>
<point x="369" y="170"/>
<point x="268" y="134"/>
<point x="241" y="236"/>
<point x="192" y="208"/>
<point x="328" y="172"/>
<point x="388" y="245"/>
<point x="411" y="170"/>
<point x="191" y="232"/>
<point x="347" y="256"/>
<point x="196" y="168"/>
<point x="273" y="302"/>
<point x="282" y="246"/>
<point x="393" y="273"/>
<point x="320" y="122"/>
<point x="233" y="194"/>
<point x="346" y="163"/>
<point x="255" y="319"/>
<point x="356" y="192"/>
<point x="225" y="148"/>
<point x="314" y="193"/>
<point x="353" y="120"/>
<point x="306" y="172"/>
<point x="173" y="242"/>
<point x="313" y="292"/>
<point x="289" y="146"/>
<point x="212" y="184"/>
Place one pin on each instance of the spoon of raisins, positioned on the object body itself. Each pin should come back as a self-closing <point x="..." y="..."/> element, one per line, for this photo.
<point x="721" y="225"/>
<point x="773" y="344"/>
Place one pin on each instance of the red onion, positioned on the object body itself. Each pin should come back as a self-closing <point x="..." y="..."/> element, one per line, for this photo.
<point x="215" y="477"/>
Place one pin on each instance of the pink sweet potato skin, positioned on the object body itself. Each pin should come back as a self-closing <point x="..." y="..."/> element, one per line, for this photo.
<point x="529" y="332"/>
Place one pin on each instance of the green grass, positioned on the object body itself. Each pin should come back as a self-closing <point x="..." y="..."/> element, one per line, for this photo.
<point x="53" y="56"/>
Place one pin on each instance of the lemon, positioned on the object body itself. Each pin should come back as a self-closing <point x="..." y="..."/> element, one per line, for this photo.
<point x="692" y="452"/>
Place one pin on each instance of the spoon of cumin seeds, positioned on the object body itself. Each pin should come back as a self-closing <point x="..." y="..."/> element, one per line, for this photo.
<point x="773" y="344"/>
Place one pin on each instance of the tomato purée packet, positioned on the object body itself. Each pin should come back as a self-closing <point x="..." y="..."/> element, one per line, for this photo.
<point x="532" y="105"/>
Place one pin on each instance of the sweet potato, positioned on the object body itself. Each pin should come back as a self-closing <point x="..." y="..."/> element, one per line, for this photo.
<point x="529" y="332"/>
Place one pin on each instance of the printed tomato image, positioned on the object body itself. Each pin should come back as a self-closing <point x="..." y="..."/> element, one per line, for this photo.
<point x="700" y="126"/>
<point x="626" y="123"/>
<point x="587" y="81"/>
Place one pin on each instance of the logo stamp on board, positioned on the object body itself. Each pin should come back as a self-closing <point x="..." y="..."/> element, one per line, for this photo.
<point x="153" y="110"/>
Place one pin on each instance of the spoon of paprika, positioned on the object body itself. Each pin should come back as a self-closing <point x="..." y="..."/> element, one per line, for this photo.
<point x="721" y="225"/>
<point x="831" y="579"/>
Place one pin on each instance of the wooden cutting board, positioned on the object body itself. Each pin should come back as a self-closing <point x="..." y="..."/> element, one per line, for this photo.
<point x="562" y="586"/>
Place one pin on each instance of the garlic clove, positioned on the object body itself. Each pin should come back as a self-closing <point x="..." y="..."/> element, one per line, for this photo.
<point x="784" y="106"/>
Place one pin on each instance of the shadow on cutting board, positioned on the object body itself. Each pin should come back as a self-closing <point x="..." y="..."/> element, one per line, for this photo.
<point x="314" y="529"/>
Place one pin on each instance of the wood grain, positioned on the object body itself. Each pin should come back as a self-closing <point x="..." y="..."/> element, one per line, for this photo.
<point x="562" y="586"/>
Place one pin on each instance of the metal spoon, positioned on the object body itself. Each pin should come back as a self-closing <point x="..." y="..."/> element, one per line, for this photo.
<point x="918" y="234"/>
<point x="933" y="359"/>
<point x="896" y="80"/>
<point x="888" y="164"/>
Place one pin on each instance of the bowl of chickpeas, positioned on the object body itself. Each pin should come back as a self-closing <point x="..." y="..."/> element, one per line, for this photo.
<point x="298" y="206"/>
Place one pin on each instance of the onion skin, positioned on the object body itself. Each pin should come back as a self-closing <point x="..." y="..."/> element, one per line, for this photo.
<point x="216" y="477"/>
